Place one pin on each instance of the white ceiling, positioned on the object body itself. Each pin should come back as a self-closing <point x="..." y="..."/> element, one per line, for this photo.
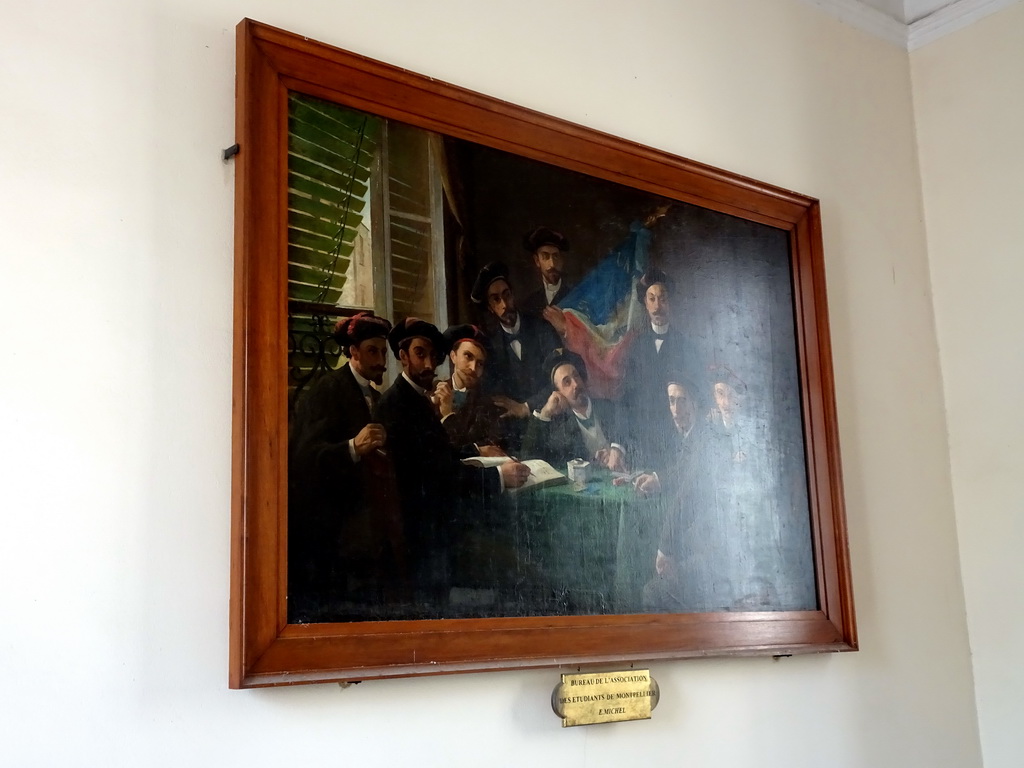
<point x="908" y="11"/>
<point x="910" y="23"/>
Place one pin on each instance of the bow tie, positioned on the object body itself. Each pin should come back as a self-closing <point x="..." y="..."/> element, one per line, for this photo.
<point x="661" y="336"/>
<point x="459" y="398"/>
<point x="585" y="423"/>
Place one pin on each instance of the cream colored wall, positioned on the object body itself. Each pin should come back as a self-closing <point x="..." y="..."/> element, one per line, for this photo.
<point x="969" y="99"/>
<point x="115" y="382"/>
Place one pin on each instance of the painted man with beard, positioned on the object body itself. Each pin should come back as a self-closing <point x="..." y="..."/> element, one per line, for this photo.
<point x="516" y="379"/>
<point x="688" y="440"/>
<point x="571" y="425"/>
<point x="471" y="419"/>
<point x="548" y="249"/>
<point x="729" y="393"/>
<point x="761" y="487"/>
<point x="435" y="487"/>
<point x="657" y="351"/>
<point x="342" y="544"/>
<point x="695" y="561"/>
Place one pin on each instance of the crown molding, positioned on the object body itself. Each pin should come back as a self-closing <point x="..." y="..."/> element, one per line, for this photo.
<point x="865" y="18"/>
<point x="909" y="37"/>
<point x="960" y="14"/>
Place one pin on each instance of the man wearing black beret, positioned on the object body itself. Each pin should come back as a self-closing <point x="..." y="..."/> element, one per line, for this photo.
<point x="655" y="353"/>
<point x="519" y="343"/>
<point x="571" y="424"/>
<point x="434" y="486"/>
<point x="471" y="419"/>
<point x="340" y="546"/>
<point x="548" y="249"/>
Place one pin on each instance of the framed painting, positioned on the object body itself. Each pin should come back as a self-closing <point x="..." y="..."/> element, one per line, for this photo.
<point x="509" y="392"/>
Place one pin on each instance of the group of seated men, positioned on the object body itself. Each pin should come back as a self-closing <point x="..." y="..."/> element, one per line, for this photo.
<point x="379" y="497"/>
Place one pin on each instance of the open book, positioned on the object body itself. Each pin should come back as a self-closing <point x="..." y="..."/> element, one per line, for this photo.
<point x="541" y="473"/>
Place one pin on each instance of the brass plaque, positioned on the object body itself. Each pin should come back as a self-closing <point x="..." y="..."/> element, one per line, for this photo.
<point x="605" y="697"/>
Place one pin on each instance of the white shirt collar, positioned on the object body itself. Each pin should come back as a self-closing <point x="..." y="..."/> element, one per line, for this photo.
<point x="586" y="413"/>
<point x="659" y="328"/>
<point x="515" y="328"/>
<point x="413" y="384"/>
<point x="363" y="383"/>
<point x="551" y="290"/>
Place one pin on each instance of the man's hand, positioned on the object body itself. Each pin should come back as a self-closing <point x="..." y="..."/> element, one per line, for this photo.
<point x="513" y="473"/>
<point x="370" y="438"/>
<point x="444" y="398"/>
<point x="510" y="408"/>
<point x="555" y="405"/>
<point x="491" y="451"/>
<point x="647" y="485"/>
<point x="554" y="316"/>
<point x="612" y="459"/>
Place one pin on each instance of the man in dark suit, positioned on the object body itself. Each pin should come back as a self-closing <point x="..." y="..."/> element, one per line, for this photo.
<point x="434" y="486"/>
<point x="688" y="430"/>
<point x="721" y="543"/>
<point x="548" y="249"/>
<point x="655" y="353"/>
<point x="471" y="419"/>
<point x="571" y="425"/>
<point x="518" y="344"/>
<point x="342" y="538"/>
<point x="693" y="565"/>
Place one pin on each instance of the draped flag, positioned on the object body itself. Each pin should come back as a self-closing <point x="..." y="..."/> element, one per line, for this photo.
<point x="602" y="311"/>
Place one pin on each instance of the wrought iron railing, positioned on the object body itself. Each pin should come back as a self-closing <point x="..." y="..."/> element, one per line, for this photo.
<point x="312" y="350"/>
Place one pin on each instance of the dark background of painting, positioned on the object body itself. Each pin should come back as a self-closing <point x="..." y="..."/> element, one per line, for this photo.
<point x="733" y="282"/>
<point x="733" y="298"/>
<point x="551" y="553"/>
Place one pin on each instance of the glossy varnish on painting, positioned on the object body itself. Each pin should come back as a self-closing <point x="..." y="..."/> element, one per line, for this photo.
<point x="748" y="258"/>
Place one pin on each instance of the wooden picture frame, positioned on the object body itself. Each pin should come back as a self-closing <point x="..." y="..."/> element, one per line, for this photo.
<point x="265" y="649"/>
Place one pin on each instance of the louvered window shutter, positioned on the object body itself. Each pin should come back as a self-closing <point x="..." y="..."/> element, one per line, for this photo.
<point x="365" y="227"/>
<point x="330" y="154"/>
